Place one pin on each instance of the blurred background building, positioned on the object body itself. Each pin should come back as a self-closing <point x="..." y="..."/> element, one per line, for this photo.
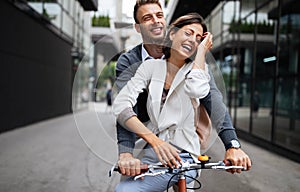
<point x="42" y="42"/>
<point x="58" y="55"/>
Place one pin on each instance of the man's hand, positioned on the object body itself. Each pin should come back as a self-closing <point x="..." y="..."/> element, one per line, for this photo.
<point x="237" y="157"/>
<point x="129" y="165"/>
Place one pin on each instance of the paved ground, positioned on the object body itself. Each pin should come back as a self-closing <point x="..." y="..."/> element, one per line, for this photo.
<point x="73" y="153"/>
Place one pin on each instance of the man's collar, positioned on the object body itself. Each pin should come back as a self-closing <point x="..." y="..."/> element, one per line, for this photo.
<point x="145" y="54"/>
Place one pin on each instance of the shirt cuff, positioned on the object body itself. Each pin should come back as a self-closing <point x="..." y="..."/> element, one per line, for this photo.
<point x="227" y="136"/>
<point x="125" y="115"/>
<point x="126" y="147"/>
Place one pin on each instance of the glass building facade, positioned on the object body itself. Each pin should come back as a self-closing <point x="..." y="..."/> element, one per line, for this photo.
<point x="256" y="44"/>
<point x="72" y="22"/>
<point x="43" y="43"/>
<point x="68" y="17"/>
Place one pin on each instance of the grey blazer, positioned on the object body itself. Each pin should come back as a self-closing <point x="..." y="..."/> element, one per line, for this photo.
<point x="127" y="65"/>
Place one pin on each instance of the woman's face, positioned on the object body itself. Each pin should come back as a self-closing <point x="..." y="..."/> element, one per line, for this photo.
<point x="186" y="40"/>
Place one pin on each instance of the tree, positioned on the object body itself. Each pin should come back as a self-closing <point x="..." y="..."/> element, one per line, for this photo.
<point x="107" y="74"/>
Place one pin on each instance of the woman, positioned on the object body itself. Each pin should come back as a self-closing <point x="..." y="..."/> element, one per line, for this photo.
<point x="171" y="84"/>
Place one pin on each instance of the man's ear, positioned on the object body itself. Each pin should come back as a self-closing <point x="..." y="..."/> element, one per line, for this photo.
<point x="137" y="27"/>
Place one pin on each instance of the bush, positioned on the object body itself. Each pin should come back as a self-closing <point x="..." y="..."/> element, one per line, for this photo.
<point x="245" y="27"/>
<point x="100" y="21"/>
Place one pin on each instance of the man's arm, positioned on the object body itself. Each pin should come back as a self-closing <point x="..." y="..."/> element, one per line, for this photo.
<point x="126" y="139"/>
<point x="217" y="110"/>
<point x="221" y="120"/>
<point x="126" y="67"/>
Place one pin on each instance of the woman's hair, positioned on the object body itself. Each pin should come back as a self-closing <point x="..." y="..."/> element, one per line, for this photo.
<point x="140" y="3"/>
<point x="184" y="20"/>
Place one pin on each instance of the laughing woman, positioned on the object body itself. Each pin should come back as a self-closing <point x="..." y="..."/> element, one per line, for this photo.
<point x="171" y="83"/>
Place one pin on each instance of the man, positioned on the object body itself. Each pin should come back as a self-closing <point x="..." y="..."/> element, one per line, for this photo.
<point x="151" y="24"/>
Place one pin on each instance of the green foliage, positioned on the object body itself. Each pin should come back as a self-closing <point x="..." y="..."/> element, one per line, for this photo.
<point x="166" y="2"/>
<point x="100" y="21"/>
<point x="227" y="77"/>
<point x="245" y="27"/>
<point x="45" y="13"/>
<point x="107" y="74"/>
<point x="286" y="28"/>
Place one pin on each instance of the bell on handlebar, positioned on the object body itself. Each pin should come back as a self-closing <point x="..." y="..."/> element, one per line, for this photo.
<point x="203" y="158"/>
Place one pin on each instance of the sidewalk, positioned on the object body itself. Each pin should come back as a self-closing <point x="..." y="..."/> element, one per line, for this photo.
<point x="73" y="153"/>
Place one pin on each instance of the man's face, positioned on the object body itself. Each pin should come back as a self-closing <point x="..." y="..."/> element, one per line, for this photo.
<point x="152" y="24"/>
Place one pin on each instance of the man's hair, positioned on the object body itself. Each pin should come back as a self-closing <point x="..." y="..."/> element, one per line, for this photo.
<point x="184" y="20"/>
<point x="140" y="3"/>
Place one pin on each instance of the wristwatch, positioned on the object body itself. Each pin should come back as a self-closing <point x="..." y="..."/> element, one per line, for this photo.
<point x="234" y="144"/>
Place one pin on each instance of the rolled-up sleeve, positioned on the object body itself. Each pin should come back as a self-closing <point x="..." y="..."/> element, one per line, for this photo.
<point x="197" y="83"/>
<point x="127" y="97"/>
<point x="126" y="114"/>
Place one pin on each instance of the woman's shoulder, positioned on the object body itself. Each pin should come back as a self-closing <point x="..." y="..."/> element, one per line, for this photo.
<point x="154" y="62"/>
<point x="153" y="66"/>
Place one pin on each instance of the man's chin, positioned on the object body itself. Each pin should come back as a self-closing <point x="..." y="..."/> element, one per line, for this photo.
<point x="157" y="40"/>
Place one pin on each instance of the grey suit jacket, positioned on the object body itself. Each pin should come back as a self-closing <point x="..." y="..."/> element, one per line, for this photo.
<point x="127" y="65"/>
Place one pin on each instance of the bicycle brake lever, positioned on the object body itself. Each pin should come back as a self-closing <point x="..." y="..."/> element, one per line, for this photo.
<point x="114" y="168"/>
<point x="224" y="167"/>
<point x="149" y="174"/>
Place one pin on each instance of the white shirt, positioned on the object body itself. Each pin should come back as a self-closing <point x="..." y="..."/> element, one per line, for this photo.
<point x="146" y="56"/>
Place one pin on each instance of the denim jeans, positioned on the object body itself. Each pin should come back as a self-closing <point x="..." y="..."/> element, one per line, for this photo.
<point x="156" y="183"/>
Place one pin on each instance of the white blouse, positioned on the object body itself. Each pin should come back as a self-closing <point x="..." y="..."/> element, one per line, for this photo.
<point x="174" y="122"/>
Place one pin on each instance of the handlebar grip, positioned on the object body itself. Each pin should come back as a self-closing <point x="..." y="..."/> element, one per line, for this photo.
<point x="143" y="167"/>
<point x="227" y="162"/>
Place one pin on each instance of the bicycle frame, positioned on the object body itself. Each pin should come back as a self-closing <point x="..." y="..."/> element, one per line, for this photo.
<point x="181" y="183"/>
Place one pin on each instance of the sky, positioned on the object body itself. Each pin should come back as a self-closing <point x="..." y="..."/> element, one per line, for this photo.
<point x="109" y="7"/>
<point x="128" y="7"/>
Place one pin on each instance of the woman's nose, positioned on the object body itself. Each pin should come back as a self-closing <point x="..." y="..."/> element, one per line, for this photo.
<point x="193" y="38"/>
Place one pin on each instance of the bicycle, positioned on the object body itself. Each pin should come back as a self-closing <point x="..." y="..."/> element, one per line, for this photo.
<point x="153" y="170"/>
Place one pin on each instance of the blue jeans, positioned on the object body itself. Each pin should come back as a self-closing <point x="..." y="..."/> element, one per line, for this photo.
<point x="156" y="183"/>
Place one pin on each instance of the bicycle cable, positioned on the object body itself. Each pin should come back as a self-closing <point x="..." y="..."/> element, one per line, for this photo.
<point x="194" y="179"/>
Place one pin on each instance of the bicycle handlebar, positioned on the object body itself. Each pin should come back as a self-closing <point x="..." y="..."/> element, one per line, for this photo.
<point x="185" y="166"/>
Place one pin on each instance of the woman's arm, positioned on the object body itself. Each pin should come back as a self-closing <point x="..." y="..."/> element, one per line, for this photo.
<point x="166" y="153"/>
<point x="127" y="97"/>
<point x="122" y="108"/>
<point x="197" y="80"/>
<point x="203" y="48"/>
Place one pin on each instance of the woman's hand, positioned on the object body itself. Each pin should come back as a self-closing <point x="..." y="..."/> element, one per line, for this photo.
<point x="203" y="48"/>
<point x="166" y="153"/>
<point x="207" y="42"/>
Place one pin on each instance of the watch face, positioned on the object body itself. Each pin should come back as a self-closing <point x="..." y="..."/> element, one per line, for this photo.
<point x="235" y="144"/>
